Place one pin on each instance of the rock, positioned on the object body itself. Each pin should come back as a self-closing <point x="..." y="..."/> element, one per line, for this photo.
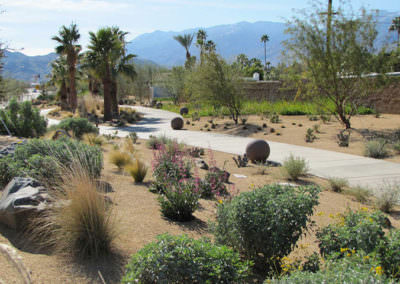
<point x="60" y="133"/>
<point x="224" y="173"/>
<point x="258" y="151"/>
<point x="10" y="149"/>
<point x="177" y="123"/>
<point x="22" y="198"/>
<point x="184" y="110"/>
<point x="200" y="163"/>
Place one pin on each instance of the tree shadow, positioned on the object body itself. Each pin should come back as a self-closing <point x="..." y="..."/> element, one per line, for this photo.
<point x="392" y="135"/>
<point x="196" y="225"/>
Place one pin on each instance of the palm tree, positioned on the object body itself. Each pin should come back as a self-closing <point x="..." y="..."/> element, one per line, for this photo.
<point x="103" y="46"/>
<point x="201" y="38"/>
<point x="395" y="26"/>
<point x="67" y="39"/>
<point x="59" y="77"/>
<point x="210" y="46"/>
<point x="264" y="39"/>
<point x="122" y="65"/>
<point x="186" y="41"/>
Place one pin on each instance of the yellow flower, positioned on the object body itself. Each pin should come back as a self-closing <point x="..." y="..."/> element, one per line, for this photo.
<point x="353" y="251"/>
<point x="364" y="209"/>
<point x="320" y="213"/>
<point x="371" y="220"/>
<point x="349" y="254"/>
<point x="366" y="257"/>
<point x="300" y="267"/>
<point x="379" y="270"/>
<point x="342" y="250"/>
<point x="220" y="201"/>
<point x="331" y="216"/>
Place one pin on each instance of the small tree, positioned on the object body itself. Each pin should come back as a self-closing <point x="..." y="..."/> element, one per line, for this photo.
<point x="219" y="84"/>
<point x="337" y="61"/>
<point x="175" y="83"/>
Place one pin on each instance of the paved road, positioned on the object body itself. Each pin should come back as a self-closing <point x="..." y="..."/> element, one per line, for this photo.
<point x="366" y="172"/>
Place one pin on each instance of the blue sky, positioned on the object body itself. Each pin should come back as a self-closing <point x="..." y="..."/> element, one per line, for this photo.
<point x="30" y="24"/>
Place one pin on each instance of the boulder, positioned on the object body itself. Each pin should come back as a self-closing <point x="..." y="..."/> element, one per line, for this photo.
<point x="184" y="110"/>
<point x="258" y="151"/>
<point x="10" y="149"/>
<point x="177" y="123"/>
<point x="22" y="198"/>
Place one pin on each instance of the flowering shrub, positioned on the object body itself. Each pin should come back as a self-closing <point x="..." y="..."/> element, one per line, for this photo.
<point x="356" y="268"/>
<point x="213" y="183"/>
<point x="180" y="199"/>
<point x="389" y="253"/>
<point x="179" y="259"/>
<point x="265" y="224"/>
<point x="355" y="230"/>
<point x="169" y="165"/>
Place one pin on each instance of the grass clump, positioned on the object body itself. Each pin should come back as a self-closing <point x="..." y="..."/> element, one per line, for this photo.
<point x="137" y="170"/>
<point x="120" y="159"/>
<point x="376" y="149"/>
<point x="338" y="184"/>
<point x="294" y="167"/>
<point x="93" y="139"/>
<point x="82" y="223"/>
<point x="361" y="194"/>
<point x="388" y="197"/>
<point x="180" y="259"/>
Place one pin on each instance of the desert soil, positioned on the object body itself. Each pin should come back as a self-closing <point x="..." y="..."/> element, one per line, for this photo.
<point x="139" y="220"/>
<point x="292" y="130"/>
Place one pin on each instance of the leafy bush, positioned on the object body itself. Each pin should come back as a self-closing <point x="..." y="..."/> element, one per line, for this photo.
<point x="337" y="184"/>
<point x="213" y="183"/>
<point x="388" y="252"/>
<point x="310" y="136"/>
<point x="265" y="224"/>
<point x="129" y="115"/>
<point x="275" y="118"/>
<point x="396" y="147"/>
<point x="37" y="157"/>
<point x="294" y="167"/>
<point x="137" y="170"/>
<point x="179" y="259"/>
<point x="180" y="199"/>
<point x="22" y="120"/>
<point x="361" y="230"/>
<point x="120" y="159"/>
<point x="312" y="263"/>
<point x="156" y="142"/>
<point x="388" y="197"/>
<point x="376" y="149"/>
<point x="169" y="165"/>
<point x="78" y="126"/>
<point x="356" y="268"/>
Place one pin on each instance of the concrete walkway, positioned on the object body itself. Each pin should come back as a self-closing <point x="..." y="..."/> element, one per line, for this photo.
<point x="366" y="172"/>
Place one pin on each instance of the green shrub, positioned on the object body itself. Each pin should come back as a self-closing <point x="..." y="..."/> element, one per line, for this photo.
<point x="265" y="224"/>
<point x="22" y="120"/>
<point x="155" y="142"/>
<point x="361" y="230"/>
<point x="294" y="167"/>
<point x="78" y="126"/>
<point x="133" y="136"/>
<point x="180" y="199"/>
<point x="357" y="268"/>
<point x="388" y="197"/>
<point x="360" y="194"/>
<point x="179" y="259"/>
<point x="337" y="184"/>
<point x="376" y="149"/>
<point x="310" y="136"/>
<point x="388" y="252"/>
<point x="37" y="157"/>
<point x="312" y="263"/>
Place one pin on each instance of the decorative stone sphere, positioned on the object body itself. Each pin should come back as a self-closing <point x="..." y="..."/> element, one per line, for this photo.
<point x="258" y="151"/>
<point x="177" y="123"/>
<point x="184" y="110"/>
<point x="159" y="105"/>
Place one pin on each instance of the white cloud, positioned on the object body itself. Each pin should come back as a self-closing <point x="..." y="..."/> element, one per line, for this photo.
<point x="36" y="51"/>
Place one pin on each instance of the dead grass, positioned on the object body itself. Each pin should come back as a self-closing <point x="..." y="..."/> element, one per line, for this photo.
<point x="137" y="170"/>
<point x="120" y="159"/>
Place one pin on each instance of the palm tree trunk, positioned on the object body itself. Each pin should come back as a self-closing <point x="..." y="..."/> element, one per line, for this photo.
<point x="265" y="55"/>
<point x="187" y="55"/>
<point x="114" y="98"/>
<point x="73" y="100"/>
<point x="107" y="95"/>
<point x="64" y="96"/>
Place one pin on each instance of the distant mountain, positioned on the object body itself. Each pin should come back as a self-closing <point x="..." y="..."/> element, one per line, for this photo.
<point x="231" y="40"/>
<point x="159" y="47"/>
<point x="22" y="67"/>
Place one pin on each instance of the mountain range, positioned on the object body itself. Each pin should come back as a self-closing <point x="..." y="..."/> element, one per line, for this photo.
<point x="160" y="48"/>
